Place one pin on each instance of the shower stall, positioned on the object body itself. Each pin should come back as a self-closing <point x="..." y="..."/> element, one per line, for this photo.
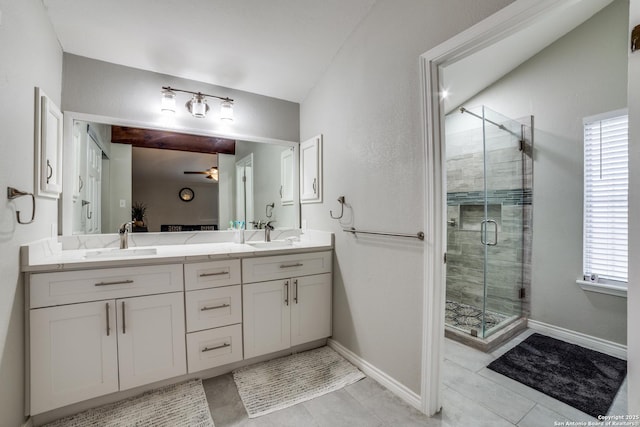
<point x="489" y="221"/>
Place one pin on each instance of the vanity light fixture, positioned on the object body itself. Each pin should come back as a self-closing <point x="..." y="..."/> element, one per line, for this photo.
<point x="197" y="105"/>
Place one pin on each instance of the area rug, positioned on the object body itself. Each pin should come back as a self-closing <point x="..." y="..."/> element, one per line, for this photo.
<point x="280" y="383"/>
<point x="179" y="405"/>
<point x="585" y="379"/>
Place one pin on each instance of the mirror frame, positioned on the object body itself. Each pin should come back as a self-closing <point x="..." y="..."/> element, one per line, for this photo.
<point x="65" y="205"/>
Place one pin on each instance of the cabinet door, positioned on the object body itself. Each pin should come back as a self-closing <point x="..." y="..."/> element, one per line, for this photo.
<point x="286" y="177"/>
<point x="73" y="354"/>
<point x="151" y="338"/>
<point x="311" y="170"/>
<point x="310" y="308"/>
<point x="266" y="317"/>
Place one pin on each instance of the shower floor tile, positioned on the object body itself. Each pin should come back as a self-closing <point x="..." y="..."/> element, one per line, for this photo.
<point x="467" y="317"/>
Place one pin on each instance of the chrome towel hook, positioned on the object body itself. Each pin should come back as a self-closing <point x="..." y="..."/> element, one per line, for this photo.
<point x="342" y="202"/>
<point x="13" y="193"/>
<point x="266" y="209"/>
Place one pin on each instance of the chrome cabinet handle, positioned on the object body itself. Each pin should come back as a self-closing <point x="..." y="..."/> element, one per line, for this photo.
<point x="291" y="265"/>
<point x="215" y="348"/>
<point x="205" y="308"/>
<point x="50" y="171"/>
<point x="286" y="287"/>
<point x="220" y="273"/>
<point x="124" y="328"/>
<point x="314" y="185"/>
<point x="108" y="326"/>
<point x="281" y="191"/>
<point x="295" y="291"/>
<point x="119" y="282"/>
<point x="81" y="183"/>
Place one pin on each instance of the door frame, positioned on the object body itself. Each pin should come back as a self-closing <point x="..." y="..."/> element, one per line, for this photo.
<point x="505" y="22"/>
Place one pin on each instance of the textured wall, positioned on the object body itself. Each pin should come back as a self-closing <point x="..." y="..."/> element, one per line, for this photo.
<point x="582" y="74"/>
<point x="29" y="56"/>
<point x="367" y="108"/>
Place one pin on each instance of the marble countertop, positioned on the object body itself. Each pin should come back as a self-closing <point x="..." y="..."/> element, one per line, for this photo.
<point x="84" y="253"/>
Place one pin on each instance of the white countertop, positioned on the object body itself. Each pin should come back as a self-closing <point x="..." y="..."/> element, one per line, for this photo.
<point x="48" y="255"/>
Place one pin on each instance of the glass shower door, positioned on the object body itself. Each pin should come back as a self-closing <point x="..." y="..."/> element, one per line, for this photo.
<point x="501" y="229"/>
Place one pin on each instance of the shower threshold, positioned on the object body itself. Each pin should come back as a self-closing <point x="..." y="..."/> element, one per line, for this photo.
<point x="464" y="323"/>
<point x="514" y="327"/>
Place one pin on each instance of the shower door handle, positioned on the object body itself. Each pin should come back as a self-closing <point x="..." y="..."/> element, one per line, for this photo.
<point x="483" y="227"/>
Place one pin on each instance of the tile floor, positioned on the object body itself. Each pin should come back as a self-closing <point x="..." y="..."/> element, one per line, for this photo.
<point x="473" y="397"/>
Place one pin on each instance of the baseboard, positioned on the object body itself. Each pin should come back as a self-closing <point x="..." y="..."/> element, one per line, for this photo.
<point x="584" y="340"/>
<point x="390" y="383"/>
<point x="28" y="422"/>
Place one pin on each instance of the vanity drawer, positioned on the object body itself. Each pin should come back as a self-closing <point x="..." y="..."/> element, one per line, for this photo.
<point x="262" y="269"/>
<point x="204" y="275"/>
<point x="48" y="289"/>
<point x="211" y="308"/>
<point x="214" y="347"/>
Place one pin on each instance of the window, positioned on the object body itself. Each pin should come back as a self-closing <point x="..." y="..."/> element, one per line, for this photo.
<point x="606" y="188"/>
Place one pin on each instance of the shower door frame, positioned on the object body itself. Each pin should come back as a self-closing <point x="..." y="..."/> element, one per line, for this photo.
<point x="504" y="23"/>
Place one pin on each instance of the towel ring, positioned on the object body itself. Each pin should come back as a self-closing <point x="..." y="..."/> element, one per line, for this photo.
<point x="266" y="209"/>
<point x="342" y="202"/>
<point x="13" y="193"/>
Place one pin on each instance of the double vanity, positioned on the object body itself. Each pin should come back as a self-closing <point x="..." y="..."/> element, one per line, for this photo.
<point x="103" y="320"/>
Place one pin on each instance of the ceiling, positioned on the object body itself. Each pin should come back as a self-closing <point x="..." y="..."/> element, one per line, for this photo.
<point x="495" y="61"/>
<point x="278" y="48"/>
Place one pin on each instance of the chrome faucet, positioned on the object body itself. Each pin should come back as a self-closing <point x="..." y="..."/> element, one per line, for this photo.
<point x="124" y="234"/>
<point x="267" y="231"/>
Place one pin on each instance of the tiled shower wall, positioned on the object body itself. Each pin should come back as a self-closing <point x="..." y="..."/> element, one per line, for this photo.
<point x="508" y="177"/>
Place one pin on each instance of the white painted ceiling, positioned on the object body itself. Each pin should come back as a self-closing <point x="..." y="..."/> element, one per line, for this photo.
<point x="465" y="78"/>
<point x="278" y="48"/>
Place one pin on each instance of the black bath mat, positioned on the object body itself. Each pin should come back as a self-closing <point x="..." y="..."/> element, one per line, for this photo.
<point x="583" y="378"/>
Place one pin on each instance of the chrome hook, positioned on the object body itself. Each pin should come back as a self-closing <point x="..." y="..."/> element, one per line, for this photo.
<point x="12" y="193"/>
<point x="342" y="202"/>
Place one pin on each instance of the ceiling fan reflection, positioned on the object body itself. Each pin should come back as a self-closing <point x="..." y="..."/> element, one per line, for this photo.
<point x="211" y="173"/>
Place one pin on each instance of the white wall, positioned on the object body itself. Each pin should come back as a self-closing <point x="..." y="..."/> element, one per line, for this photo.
<point x="29" y="56"/>
<point x="96" y="87"/>
<point x="367" y="107"/>
<point x="633" y="296"/>
<point x="582" y="74"/>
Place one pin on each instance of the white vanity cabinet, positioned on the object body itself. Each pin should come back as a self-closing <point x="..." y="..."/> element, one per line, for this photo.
<point x="125" y="334"/>
<point x="293" y="309"/>
<point x="213" y="301"/>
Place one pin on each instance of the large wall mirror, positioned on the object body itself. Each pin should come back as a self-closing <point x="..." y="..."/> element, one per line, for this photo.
<point x="115" y="170"/>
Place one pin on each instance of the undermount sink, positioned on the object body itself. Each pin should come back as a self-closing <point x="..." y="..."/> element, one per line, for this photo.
<point x="271" y="245"/>
<point x="117" y="252"/>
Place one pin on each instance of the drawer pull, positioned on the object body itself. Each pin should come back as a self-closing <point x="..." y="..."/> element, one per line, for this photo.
<point x="119" y="282"/>
<point x="124" y="320"/>
<point x="215" y="307"/>
<point x="286" y="287"/>
<point x="108" y="326"/>
<point x="204" y="350"/>
<point x="295" y="289"/>
<point x="220" y="273"/>
<point x="291" y="265"/>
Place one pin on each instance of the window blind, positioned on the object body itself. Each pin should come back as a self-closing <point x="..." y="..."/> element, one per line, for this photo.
<point x="606" y="188"/>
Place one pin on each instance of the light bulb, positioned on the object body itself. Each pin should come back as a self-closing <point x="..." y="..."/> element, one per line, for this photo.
<point x="226" y="111"/>
<point x="168" y="104"/>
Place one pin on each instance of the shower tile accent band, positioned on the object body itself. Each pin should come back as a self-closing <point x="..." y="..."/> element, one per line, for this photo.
<point x="517" y="196"/>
